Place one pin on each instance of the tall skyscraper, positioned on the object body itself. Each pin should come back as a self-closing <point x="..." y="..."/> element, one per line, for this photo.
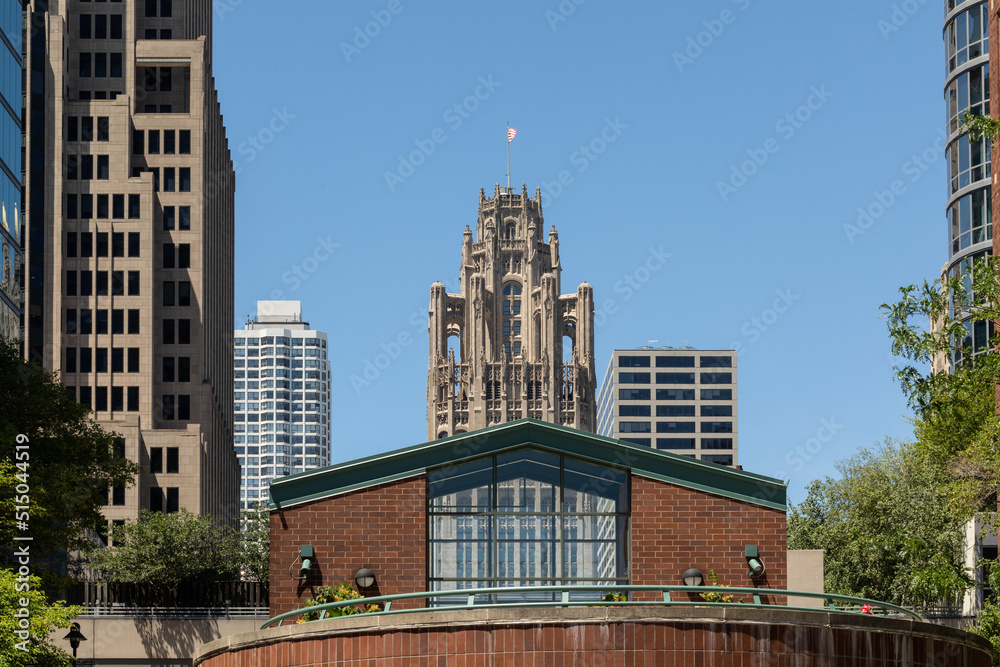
<point x="967" y="88"/>
<point x="129" y="233"/>
<point x="680" y="400"/>
<point x="281" y="400"/>
<point x="10" y="169"/>
<point x="509" y="345"/>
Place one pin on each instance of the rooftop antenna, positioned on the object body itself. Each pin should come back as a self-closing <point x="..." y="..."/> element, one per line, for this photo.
<point x="511" y="131"/>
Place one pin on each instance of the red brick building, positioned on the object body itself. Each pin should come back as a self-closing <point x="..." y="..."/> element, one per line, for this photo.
<point x="525" y="503"/>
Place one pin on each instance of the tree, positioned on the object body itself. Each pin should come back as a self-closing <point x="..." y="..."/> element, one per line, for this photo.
<point x="167" y="549"/>
<point x="255" y="543"/>
<point x="886" y="528"/>
<point x="50" y="447"/>
<point x="24" y="635"/>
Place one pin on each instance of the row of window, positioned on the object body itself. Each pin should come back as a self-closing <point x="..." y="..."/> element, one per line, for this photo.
<point x="177" y="256"/>
<point x="181" y="217"/>
<point x="96" y="283"/>
<point x="176" y="293"/>
<point x="296" y="406"/>
<point x="81" y="167"/>
<point x="675" y="362"/>
<point x="87" y="248"/>
<point x="967" y="35"/>
<point x="100" y="26"/>
<point x="156" y="460"/>
<point x="280" y="352"/>
<point x="675" y="427"/>
<point x="279" y="340"/>
<point x="279" y="449"/>
<point x="85" y="323"/>
<point x="81" y="207"/>
<point x="81" y="128"/>
<point x="675" y="378"/>
<point x="631" y="394"/>
<point x="122" y="398"/>
<point x="280" y="384"/>
<point x="97" y="64"/>
<point x="183" y="332"/>
<point x="165" y="8"/>
<point x="178" y="180"/>
<point x="683" y="443"/>
<point x="100" y="358"/>
<point x="969" y="91"/>
<point x="176" y="407"/>
<point x="278" y="372"/>
<point x="166" y="500"/>
<point x="971" y="219"/>
<point x="313" y="420"/>
<point x="176" y="369"/>
<point x="179" y="142"/>
<point x="675" y="411"/>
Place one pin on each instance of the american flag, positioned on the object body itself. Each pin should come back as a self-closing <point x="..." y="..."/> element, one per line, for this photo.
<point x="511" y="131"/>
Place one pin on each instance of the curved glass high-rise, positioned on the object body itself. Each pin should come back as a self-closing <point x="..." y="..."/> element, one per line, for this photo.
<point x="10" y="169"/>
<point x="967" y="88"/>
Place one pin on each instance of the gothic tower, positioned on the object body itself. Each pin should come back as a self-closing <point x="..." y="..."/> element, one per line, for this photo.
<point x="510" y="345"/>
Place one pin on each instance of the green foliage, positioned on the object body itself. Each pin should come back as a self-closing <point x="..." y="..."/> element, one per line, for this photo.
<point x="613" y="596"/>
<point x="712" y="596"/>
<point x="887" y="528"/>
<point x="166" y="549"/>
<point x="325" y="594"/>
<point x="255" y="541"/>
<point x="43" y="618"/>
<point x="980" y="126"/>
<point x="988" y="626"/>
<point x="71" y="461"/>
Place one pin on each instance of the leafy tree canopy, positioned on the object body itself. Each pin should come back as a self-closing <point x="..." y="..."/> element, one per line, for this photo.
<point x="69" y="463"/>
<point x="22" y="646"/>
<point x="886" y="528"/>
<point x="255" y="543"/>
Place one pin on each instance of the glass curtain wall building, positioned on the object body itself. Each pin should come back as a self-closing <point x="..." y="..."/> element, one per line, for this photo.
<point x="281" y="398"/>
<point x="967" y="89"/>
<point x="11" y="257"/>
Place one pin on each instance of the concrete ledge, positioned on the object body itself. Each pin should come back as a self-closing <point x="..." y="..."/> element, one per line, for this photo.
<point x="795" y="623"/>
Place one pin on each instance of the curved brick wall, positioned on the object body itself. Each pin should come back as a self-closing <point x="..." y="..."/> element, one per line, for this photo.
<point x="721" y="637"/>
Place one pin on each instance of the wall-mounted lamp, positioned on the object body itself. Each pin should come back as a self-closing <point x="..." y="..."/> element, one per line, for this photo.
<point x="754" y="562"/>
<point x="306" y="555"/>
<point x="693" y="577"/>
<point x="364" y="578"/>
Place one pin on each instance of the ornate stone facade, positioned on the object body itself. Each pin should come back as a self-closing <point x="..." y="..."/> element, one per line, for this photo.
<point x="510" y="346"/>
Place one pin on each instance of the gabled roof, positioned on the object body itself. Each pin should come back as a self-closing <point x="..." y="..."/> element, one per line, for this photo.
<point x="638" y="459"/>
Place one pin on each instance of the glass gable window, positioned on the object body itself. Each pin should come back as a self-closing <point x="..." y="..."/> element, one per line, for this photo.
<point x="526" y="518"/>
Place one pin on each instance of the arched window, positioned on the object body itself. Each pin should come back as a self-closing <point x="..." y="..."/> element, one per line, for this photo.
<point x="512" y="320"/>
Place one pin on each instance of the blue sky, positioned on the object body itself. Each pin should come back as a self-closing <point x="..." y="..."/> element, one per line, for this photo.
<point x="741" y="137"/>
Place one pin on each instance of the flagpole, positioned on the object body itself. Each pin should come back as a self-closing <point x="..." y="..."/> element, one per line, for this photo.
<point x="508" y="157"/>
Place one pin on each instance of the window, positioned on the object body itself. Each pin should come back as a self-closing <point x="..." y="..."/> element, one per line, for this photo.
<point x="716" y="411"/>
<point x="133" y="207"/>
<point x="168" y="408"/>
<point x="118" y="498"/>
<point x="173" y="465"/>
<point x="116" y="27"/>
<point x="133" y="283"/>
<point x="633" y="362"/>
<point x="155" y="499"/>
<point x="184" y="176"/>
<point x="132" y="394"/>
<point x="184" y="256"/>
<point x="716" y="394"/>
<point x="166" y="8"/>
<point x="168" y="255"/>
<point x="101" y="26"/>
<point x="118" y="361"/>
<point x="156" y="460"/>
<point x="184" y="332"/>
<point x="133" y="360"/>
<point x="675" y="378"/>
<point x="87" y="169"/>
<point x="633" y="427"/>
<point x="184" y="141"/>
<point x="675" y="411"/>
<point x="168" y="332"/>
<point x="173" y="500"/>
<point x="184" y="407"/>
<point x="117" y="206"/>
<point x="716" y="443"/>
<point x="102" y="321"/>
<point x="154" y="142"/>
<point x="101" y="358"/>
<point x="118" y="244"/>
<point x="716" y="427"/>
<point x="86" y="358"/>
<point x="716" y="378"/>
<point x="101" y="399"/>
<point x="168" y="369"/>
<point x="85" y="396"/>
<point x="519" y="519"/>
<point x="675" y="427"/>
<point x="71" y="244"/>
<point x="100" y="65"/>
<point x="71" y="320"/>
<point x="133" y="321"/>
<point x="102" y="244"/>
<point x="85" y="26"/>
<point x="633" y="378"/>
<point x="86" y="320"/>
<point x="675" y="443"/>
<point x="71" y="283"/>
<point x="117" y="321"/>
<point x="184" y="293"/>
<point x="633" y="410"/>
<point x="675" y="362"/>
<point x="184" y="217"/>
<point x="168" y="293"/>
<point x="183" y="369"/>
<point x="103" y="174"/>
<point x="70" y="360"/>
<point x="169" y="182"/>
<point x="633" y="394"/>
<point x="102" y="283"/>
<point x="168" y="217"/>
<point x="133" y="244"/>
<point x="72" y="128"/>
<point x="138" y="142"/>
<point x="84" y="65"/>
<point x="168" y="142"/>
<point x="726" y="460"/>
<point x="151" y="8"/>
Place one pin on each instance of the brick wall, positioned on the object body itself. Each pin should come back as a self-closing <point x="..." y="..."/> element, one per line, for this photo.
<point x="382" y="528"/>
<point x="674" y="528"/>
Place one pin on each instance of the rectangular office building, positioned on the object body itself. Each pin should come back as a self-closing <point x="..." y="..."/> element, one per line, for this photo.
<point x="680" y="400"/>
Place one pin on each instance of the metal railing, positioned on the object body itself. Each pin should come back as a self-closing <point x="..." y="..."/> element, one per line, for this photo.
<point x="836" y="603"/>
<point x="119" y="610"/>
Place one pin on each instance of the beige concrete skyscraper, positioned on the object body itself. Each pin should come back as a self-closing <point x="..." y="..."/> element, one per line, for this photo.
<point x="509" y="345"/>
<point x="129" y="229"/>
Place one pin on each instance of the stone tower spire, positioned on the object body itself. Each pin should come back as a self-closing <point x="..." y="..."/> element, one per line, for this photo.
<point x="510" y="345"/>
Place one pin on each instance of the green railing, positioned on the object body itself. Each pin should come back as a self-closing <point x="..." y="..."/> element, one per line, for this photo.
<point x="838" y="603"/>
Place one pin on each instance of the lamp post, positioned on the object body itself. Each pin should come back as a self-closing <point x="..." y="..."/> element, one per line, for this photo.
<point x="75" y="637"/>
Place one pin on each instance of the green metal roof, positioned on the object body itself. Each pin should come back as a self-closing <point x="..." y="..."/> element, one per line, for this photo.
<point x="640" y="460"/>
